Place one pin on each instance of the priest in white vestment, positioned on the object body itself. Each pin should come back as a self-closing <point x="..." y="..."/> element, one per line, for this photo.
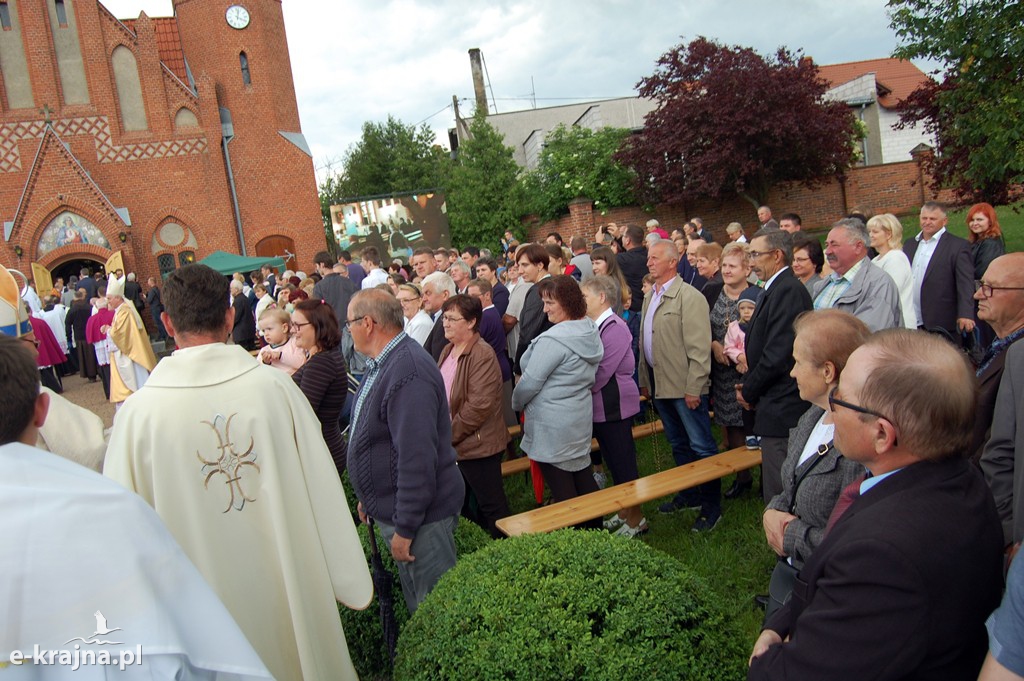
<point x="248" y="488"/>
<point x="89" y="569"/>
<point x="133" y="358"/>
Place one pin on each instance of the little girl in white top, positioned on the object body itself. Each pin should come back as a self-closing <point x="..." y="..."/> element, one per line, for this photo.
<point x="280" y="351"/>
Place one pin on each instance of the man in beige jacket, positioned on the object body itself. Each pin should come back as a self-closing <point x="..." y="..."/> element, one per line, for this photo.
<point x="675" y="367"/>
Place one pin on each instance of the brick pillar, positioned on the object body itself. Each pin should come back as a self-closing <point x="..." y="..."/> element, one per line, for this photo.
<point x="922" y="155"/>
<point x="581" y="217"/>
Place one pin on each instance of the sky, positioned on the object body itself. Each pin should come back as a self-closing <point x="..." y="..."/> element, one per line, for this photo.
<point x="361" y="61"/>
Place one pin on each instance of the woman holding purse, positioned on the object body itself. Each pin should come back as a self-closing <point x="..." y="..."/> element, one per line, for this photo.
<point x="814" y="472"/>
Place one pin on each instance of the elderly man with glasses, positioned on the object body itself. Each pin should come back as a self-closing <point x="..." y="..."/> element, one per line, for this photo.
<point x="910" y="566"/>
<point x="767" y="386"/>
<point x="400" y="456"/>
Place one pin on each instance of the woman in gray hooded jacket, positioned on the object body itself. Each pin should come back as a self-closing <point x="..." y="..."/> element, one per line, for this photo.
<point x="558" y="373"/>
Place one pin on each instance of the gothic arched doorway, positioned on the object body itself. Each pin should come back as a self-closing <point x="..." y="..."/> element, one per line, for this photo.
<point x="74" y="266"/>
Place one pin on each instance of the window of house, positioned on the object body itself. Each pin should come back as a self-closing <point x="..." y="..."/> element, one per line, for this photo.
<point x="166" y="264"/>
<point x="244" y="61"/>
<point x="5" y="16"/>
<point x="62" y="13"/>
<point x="186" y="258"/>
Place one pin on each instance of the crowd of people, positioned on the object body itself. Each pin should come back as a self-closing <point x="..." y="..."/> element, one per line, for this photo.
<point x="877" y="375"/>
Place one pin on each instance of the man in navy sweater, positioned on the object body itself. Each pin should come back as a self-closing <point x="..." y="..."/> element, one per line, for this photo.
<point x="400" y="458"/>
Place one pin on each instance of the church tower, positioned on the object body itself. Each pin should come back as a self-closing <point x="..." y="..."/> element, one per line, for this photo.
<point x="240" y="46"/>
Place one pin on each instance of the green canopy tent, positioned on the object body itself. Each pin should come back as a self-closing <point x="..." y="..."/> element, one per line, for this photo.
<point x="229" y="263"/>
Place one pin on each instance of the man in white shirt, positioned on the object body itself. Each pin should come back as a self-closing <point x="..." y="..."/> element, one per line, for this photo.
<point x="943" y="274"/>
<point x="371" y="263"/>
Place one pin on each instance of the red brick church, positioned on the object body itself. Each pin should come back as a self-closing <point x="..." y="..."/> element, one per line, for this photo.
<point x="164" y="138"/>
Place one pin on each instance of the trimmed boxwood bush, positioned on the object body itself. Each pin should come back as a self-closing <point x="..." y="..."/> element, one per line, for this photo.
<point x="570" y="605"/>
<point x="363" y="632"/>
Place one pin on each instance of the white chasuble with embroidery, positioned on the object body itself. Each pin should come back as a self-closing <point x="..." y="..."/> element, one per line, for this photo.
<point x="231" y="456"/>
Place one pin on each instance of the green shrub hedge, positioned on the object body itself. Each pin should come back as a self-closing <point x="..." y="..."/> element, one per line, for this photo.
<point x="363" y="631"/>
<point x="570" y="605"/>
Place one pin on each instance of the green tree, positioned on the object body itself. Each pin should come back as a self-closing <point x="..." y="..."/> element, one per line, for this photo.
<point x="330" y="195"/>
<point x="973" y="110"/>
<point x="393" y="157"/>
<point x="580" y="162"/>
<point x="484" y="194"/>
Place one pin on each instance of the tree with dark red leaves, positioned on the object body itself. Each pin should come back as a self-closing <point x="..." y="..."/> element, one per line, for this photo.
<point x="731" y="122"/>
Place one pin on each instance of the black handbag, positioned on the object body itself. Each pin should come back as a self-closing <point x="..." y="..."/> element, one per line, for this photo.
<point x="780" y="586"/>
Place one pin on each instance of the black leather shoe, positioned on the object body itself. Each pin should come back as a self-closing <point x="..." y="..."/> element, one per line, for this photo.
<point x="738" y="489"/>
<point x="761" y="601"/>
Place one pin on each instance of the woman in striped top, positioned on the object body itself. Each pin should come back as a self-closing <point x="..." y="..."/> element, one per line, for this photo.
<point x="322" y="378"/>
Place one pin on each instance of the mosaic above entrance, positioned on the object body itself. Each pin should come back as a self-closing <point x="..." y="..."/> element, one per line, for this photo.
<point x="69" y="229"/>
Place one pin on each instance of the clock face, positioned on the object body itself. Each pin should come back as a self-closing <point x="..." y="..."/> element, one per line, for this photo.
<point x="237" y="17"/>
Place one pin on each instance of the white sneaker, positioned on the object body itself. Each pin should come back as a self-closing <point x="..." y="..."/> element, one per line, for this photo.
<point x="614" y="523"/>
<point x="601" y="479"/>
<point x="632" y="532"/>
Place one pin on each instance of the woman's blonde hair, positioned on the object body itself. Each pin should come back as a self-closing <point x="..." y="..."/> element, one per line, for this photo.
<point x="891" y="225"/>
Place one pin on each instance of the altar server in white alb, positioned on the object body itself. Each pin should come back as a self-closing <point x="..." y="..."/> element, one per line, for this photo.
<point x="133" y="359"/>
<point x="90" y="571"/>
<point x="246" y="486"/>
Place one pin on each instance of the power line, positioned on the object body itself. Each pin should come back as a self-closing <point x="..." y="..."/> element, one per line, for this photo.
<point x="441" y="111"/>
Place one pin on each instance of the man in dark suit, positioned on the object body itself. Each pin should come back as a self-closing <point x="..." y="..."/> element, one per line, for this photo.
<point x="767" y="386"/>
<point x="633" y="265"/>
<point x="487" y="268"/>
<point x="1000" y="303"/>
<point x="909" y="570"/>
<point x="243" y="331"/>
<point x="943" y="274"/>
<point x="133" y="291"/>
<point x="437" y="288"/>
<point x="533" y="264"/>
<point x="88" y="283"/>
<point x="334" y="289"/>
<point x="155" y="304"/>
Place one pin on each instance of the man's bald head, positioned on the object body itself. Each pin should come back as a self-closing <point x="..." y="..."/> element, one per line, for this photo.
<point x="1004" y="309"/>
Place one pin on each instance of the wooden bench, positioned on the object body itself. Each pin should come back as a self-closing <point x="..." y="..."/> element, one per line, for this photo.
<point x="614" y="499"/>
<point x="522" y="464"/>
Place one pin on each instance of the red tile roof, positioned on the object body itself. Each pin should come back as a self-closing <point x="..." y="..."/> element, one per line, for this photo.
<point x="168" y="44"/>
<point x="896" y="78"/>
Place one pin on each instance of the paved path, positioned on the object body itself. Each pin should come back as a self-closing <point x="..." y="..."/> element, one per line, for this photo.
<point x="89" y="395"/>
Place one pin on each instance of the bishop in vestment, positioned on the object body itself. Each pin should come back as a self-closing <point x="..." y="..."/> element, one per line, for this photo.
<point x="133" y="358"/>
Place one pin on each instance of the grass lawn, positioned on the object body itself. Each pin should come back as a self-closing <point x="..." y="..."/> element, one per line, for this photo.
<point x="733" y="559"/>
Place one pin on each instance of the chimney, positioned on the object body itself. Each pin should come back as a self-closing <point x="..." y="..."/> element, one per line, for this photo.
<point x="476" y="64"/>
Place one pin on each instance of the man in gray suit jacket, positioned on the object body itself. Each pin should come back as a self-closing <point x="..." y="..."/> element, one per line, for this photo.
<point x="857" y="285"/>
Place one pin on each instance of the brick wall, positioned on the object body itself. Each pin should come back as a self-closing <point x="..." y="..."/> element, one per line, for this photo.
<point x="891" y="188"/>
